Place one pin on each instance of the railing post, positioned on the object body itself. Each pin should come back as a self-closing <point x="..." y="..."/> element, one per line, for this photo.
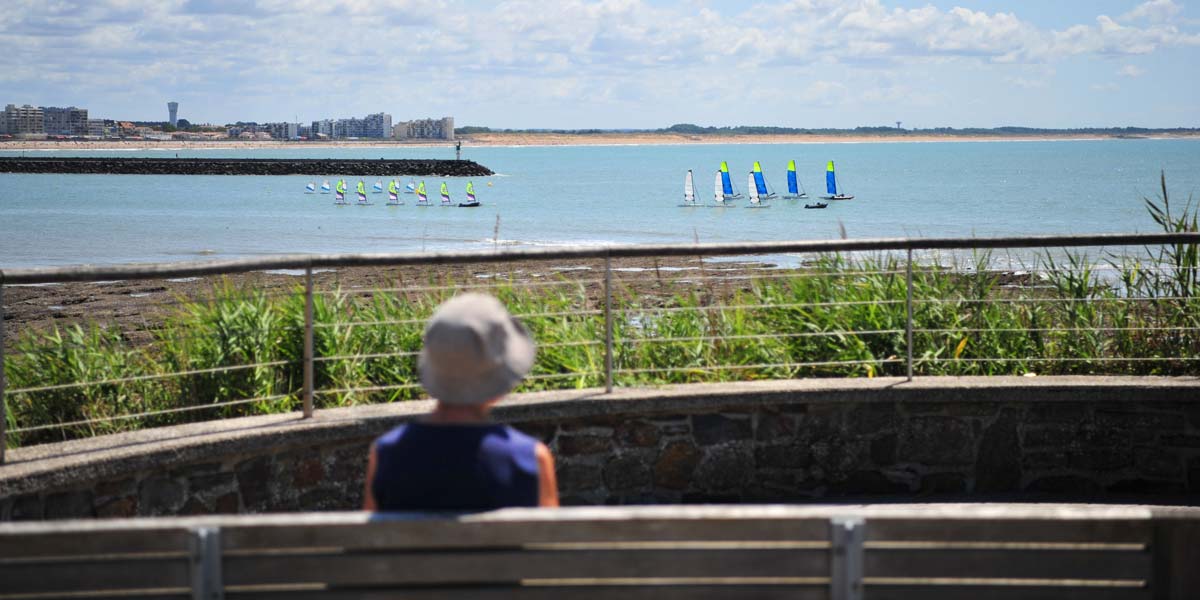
<point x="846" y="535"/>
<point x="308" y="342"/>
<point x="608" y="325"/>
<point x="908" y="324"/>
<point x="3" y="406"/>
<point x="204" y="545"/>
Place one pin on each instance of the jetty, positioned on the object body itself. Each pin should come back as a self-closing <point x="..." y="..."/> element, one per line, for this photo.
<point x="245" y="166"/>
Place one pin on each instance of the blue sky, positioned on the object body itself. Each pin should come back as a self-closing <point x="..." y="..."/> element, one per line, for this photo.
<point x="613" y="63"/>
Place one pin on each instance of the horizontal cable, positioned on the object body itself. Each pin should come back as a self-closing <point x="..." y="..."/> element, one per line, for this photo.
<point x="1064" y="359"/>
<point x="674" y="309"/>
<point x="439" y="288"/>
<point x="415" y="353"/>
<point x="1051" y="329"/>
<point x="567" y="313"/>
<point x="1047" y="300"/>
<point x="152" y="413"/>
<point x="64" y="386"/>
<point x="697" y="275"/>
<point x="754" y="336"/>
<point x="829" y="363"/>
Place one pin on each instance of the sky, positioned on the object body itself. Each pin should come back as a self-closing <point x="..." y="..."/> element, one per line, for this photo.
<point x="613" y="63"/>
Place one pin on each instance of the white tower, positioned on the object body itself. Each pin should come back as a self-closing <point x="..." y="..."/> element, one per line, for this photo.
<point x="173" y="109"/>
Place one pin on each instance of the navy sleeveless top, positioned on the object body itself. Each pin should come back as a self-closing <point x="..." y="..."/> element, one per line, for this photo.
<point x="423" y="466"/>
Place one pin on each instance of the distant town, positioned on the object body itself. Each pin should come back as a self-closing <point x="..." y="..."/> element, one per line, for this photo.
<point x="50" y="122"/>
<point x="71" y="123"/>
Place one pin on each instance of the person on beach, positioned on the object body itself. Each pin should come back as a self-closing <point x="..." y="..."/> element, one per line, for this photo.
<point x="474" y="352"/>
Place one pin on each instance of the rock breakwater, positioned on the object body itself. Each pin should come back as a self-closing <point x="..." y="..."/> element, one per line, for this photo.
<point x="245" y="166"/>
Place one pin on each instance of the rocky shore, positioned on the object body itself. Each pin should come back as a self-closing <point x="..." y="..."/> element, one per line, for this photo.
<point x="245" y="166"/>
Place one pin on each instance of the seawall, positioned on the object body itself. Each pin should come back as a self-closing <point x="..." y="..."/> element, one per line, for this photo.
<point x="245" y="166"/>
<point x="939" y="438"/>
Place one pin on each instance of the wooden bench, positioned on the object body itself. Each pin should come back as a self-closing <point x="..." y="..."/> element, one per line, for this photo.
<point x="627" y="553"/>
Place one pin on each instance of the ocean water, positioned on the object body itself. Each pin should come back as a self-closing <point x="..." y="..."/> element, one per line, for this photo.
<point x="547" y="196"/>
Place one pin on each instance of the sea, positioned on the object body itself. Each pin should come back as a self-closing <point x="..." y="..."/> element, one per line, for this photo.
<point x="547" y="196"/>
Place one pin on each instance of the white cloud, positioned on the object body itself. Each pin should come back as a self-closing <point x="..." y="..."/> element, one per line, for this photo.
<point x="1155" y="11"/>
<point x="1131" y="71"/>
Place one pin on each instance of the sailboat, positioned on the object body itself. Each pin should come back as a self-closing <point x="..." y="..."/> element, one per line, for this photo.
<point x="689" y="190"/>
<point x="794" y="190"/>
<point x="718" y="192"/>
<point x="422" y="199"/>
<point x="311" y="188"/>
<point x="394" y="193"/>
<point x="755" y="202"/>
<point x="445" y="194"/>
<point x="325" y="187"/>
<point x="760" y="183"/>
<point x="410" y="187"/>
<point x="831" y="186"/>
<point x="727" y="183"/>
<point x="471" y="201"/>
<point x="377" y="188"/>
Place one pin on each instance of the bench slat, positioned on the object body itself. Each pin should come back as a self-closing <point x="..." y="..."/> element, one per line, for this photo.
<point x="647" y="592"/>
<point x="75" y="543"/>
<point x="457" y="534"/>
<point x="1015" y="530"/>
<point x="1014" y="593"/>
<point x="512" y="566"/>
<point x="94" y="576"/>
<point x="1032" y="564"/>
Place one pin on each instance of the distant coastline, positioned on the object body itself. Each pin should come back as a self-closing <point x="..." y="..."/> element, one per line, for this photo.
<point x="570" y="139"/>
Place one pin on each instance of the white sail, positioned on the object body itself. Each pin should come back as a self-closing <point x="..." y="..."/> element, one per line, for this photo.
<point x="689" y="192"/>
<point x="718" y="193"/>
<point x="752" y="189"/>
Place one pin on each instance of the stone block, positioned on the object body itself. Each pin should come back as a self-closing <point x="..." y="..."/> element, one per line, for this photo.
<point x="575" y="445"/>
<point x="883" y="450"/>
<point x="307" y="472"/>
<point x="195" y="470"/>
<point x="1063" y="484"/>
<point x="867" y="483"/>
<point x="121" y="507"/>
<point x="324" y="500"/>
<point x="726" y="467"/>
<point x="347" y="465"/>
<point x="194" y="506"/>
<point x="933" y="440"/>
<point x="627" y="473"/>
<point x="70" y="505"/>
<point x="872" y="417"/>
<point x="121" y="487"/>
<point x="712" y="429"/>
<point x="675" y="465"/>
<point x="673" y="426"/>
<point x="793" y="409"/>
<point x="636" y="434"/>
<point x="1044" y="460"/>
<point x="1156" y="463"/>
<point x="782" y="456"/>
<point x="952" y="483"/>
<point x="254" y="482"/>
<point x="27" y="508"/>
<point x="543" y="432"/>
<point x="772" y="427"/>
<point x="229" y="504"/>
<point x="998" y="462"/>
<point x="160" y="496"/>
<point x="578" y="478"/>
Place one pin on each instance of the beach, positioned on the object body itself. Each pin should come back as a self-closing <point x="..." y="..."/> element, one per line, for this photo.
<point x="522" y="139"/>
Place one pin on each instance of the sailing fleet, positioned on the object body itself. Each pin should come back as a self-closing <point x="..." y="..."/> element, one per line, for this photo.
<point x="394" y="191"/>
<point x="759" y="192"/>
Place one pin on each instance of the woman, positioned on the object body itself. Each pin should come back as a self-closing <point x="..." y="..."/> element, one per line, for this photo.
<point x="456" y="459"/>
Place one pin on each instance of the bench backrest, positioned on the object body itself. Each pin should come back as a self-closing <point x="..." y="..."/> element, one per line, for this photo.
<point x="657" y="553"/>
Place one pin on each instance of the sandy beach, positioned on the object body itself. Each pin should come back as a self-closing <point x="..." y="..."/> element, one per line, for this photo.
<point x="548" y="139"/>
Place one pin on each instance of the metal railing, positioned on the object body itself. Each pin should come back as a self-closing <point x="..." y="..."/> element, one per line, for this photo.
<point x="608" y="311"/>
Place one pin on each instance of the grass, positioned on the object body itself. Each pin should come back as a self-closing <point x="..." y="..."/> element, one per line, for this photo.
<point x="242" y="345"/>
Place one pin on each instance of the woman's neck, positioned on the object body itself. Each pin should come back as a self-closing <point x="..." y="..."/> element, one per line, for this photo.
<point x="448" y="413"/>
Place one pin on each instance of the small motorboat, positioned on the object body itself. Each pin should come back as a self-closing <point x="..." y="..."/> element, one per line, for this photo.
<point x="817" y="205"/>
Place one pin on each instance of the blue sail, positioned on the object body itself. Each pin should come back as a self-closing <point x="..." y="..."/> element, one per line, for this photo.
<point x="830" y="180"/>
<point x="793" y="186"/>
<point x="726" y="183"/>
<point x="760" y="183"/>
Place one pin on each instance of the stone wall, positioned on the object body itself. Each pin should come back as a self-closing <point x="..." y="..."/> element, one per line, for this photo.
<point x="1069" y="438"/>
